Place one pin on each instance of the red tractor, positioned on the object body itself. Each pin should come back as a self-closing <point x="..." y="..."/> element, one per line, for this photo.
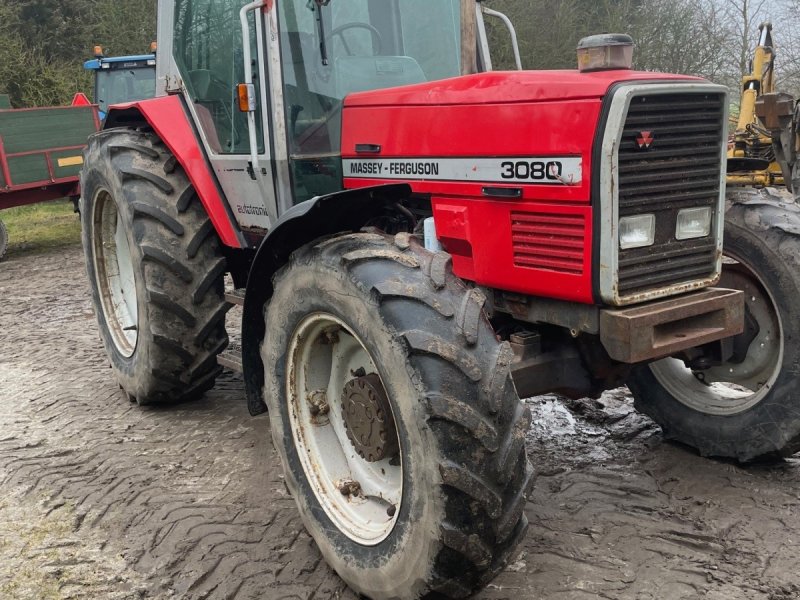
<point x="418" y="242"/>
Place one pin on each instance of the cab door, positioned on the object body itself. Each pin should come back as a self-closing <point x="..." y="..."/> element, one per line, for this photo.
<point x="208" y="50"/>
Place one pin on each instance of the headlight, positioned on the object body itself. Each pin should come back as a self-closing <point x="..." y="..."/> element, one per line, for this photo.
<point x="693" y="223"/>
<point x="637" y="232"/>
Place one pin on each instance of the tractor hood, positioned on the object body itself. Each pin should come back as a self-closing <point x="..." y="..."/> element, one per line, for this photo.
<point x="500" y="155"/>
<point x="501" y="87"/>
<point x="497" y="116"/>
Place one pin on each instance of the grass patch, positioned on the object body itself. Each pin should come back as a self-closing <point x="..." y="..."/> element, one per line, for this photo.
<point x="41" y="227"/>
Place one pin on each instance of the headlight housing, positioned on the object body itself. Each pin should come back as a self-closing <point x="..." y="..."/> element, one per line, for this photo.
<point x="693" y="223"/>
<point x="638" y="231"/>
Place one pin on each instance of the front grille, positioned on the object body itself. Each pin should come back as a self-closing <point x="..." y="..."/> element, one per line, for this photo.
<point x="548" y="241"/>
<point x="680" y="169"/>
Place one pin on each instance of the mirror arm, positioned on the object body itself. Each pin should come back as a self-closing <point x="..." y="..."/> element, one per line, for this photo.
<point x="513" y="32"/>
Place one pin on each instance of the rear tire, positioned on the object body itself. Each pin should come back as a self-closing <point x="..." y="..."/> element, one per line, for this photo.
<point x="762" y="248"/>
<point x="459" y="424"/>
<point x="155" y="268"/>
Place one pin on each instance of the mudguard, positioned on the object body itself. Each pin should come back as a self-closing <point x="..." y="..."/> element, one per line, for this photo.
<point x="169" y="119"/>
<point x="340" y="212"/>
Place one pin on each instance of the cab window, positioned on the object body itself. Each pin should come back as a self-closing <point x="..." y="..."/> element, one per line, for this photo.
<point x="208" y="52"/>
<point x="368" y="46"/>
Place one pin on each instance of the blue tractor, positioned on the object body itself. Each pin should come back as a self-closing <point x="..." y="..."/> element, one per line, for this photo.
<point x="121" y="79"/>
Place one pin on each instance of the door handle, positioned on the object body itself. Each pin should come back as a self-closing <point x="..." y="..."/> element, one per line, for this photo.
<point x="368" y="149"/>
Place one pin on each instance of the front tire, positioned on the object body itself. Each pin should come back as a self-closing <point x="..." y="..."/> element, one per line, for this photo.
<point x="747" y="407"/>
<point x="359" y="311"/>
<point x="155" y="268"/>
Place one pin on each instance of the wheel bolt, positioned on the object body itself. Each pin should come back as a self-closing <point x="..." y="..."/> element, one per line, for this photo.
<point x="318" y="403"/>
<point x="391" y="510"/>
<point x="350" y="488"/>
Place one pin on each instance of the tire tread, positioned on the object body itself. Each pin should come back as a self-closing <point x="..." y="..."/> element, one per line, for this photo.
<point x="445" y="329"/>
<point x="181" y="264"/>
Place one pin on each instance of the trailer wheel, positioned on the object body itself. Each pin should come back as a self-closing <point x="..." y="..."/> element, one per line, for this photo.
<point x="748" y="406"/>
<point x="392" y="407"/>
<point x="3" y="240"/>
<point x="155" y="268"/>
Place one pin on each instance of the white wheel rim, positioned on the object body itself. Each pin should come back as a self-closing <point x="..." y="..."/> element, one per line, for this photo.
<point x="319" y="361"/>
<point x="730" y="389"/>
<point x="115" y="275"/>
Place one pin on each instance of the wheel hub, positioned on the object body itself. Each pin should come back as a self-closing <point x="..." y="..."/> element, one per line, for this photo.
<point x="738" y="384"/>
<point x="368" y="418"/>
<point x="328" y="373"/>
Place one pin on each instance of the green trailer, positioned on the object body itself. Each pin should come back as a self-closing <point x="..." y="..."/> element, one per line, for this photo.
<point x="41" y="154"/>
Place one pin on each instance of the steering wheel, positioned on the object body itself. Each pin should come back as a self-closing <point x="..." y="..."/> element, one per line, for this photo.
<point x="338" y="31"/>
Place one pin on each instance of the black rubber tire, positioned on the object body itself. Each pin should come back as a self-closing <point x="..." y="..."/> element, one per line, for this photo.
<point x="461" y="425"/>
<point x="178" y="266"/>
<point x="763" y="233"/>
<point x="3" y="240"/>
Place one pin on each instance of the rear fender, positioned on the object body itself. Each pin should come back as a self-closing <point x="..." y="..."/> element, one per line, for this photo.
<point x="169" y="119"/>
<point x="340" y="212"/>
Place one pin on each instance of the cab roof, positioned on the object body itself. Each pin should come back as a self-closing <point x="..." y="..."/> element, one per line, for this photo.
<point x="96" y="63"/>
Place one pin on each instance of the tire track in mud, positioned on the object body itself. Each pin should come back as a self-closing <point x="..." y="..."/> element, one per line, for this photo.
<point x="617" y="513"/>
<point x="101" y="498"/>
<point x="187" y="500"/>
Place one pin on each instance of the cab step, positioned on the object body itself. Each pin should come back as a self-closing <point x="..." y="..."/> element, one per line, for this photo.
<point x="235" y="296"/>
<point x="231" y="358"/>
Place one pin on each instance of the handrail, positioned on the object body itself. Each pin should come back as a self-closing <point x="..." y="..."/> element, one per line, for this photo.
<point x="248" y="79"/>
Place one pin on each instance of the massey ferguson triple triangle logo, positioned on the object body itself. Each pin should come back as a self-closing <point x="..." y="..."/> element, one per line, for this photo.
<point x="645" y="140"/>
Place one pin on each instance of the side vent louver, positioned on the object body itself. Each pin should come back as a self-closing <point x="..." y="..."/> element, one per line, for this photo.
<point x="547" y="241"/>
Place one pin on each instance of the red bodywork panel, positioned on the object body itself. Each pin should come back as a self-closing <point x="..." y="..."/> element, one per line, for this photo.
<point x="167" y="116"/>
<point x="539" y="243"/>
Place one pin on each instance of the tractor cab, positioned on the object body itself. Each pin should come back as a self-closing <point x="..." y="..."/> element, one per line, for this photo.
<point x="313" y="54"/>
<point x="121" y="79"/>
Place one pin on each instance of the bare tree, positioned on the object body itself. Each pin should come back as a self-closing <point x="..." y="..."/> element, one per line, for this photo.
<point x="43" y="42"/>
<point x="741" y="21"/>
<point x="744" y="16"/>
<point x="549" y="31"/>
<point x="786" y="19"/>
<point x="680" y="36"/>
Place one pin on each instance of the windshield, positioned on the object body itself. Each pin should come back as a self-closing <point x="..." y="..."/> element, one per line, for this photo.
<point x="371" y="45"/>
<point x="360" y="45"/>
<point x="367" y="46"/>
<point x="124" y="85"/>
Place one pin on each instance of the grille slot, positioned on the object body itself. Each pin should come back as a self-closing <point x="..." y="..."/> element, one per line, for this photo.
<point x="547" y="241"/>
<point x="684" y="261"/>
<point x="681" y="169"/>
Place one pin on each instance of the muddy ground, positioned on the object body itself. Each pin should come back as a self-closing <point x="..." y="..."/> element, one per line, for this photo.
<point x="102" y="499"/>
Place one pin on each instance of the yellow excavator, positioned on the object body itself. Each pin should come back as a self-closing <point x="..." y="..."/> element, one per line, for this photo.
<point x="764" y="147"/>
<point x="762" y="258"/>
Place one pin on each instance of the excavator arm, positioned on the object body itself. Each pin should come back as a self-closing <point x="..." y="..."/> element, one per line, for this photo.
<point x="766" y="143"/>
